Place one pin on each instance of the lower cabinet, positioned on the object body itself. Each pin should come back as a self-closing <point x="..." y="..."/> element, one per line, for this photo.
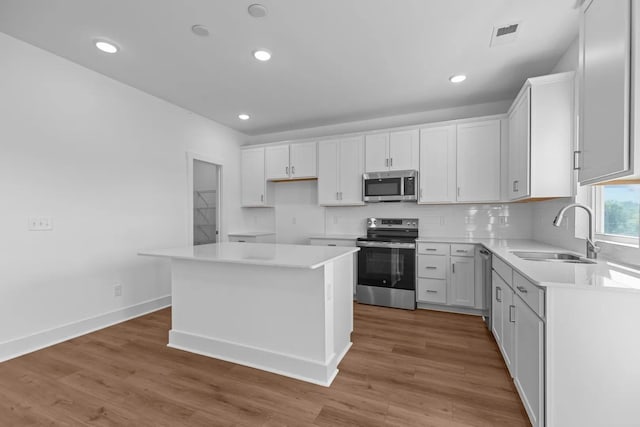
<point x="446" y="274"/>
<point x="517" y="316"/>
<point x="332" y="241"/>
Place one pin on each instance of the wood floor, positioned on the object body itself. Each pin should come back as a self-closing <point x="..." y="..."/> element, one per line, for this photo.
<point x="405" y="368"/>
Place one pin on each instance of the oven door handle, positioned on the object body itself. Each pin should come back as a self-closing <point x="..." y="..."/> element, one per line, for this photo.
<point x="390" y="245"/>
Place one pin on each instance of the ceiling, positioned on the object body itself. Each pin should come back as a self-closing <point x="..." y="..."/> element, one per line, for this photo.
<point x="334" y="61"/>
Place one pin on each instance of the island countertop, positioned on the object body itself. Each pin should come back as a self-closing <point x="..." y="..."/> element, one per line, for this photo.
<point x="267" y="254"/>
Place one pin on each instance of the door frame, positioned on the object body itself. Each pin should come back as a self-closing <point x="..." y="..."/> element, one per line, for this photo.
<point x="191" y="156"/>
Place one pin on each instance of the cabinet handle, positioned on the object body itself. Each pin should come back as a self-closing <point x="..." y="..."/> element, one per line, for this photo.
<point x="331" y="244"/>
<point x="431" y="249"/>
<point x="453" y="267"/>
<point x="462" y="250"/>
<point x="293" y="170"/>
<point x="241" y="241"/>
<point x="458" y="192"/>
<point x="522" y="289"/>
<point x="337" y="195"/>
<point x="576" y="160"/>
<point x="512" y="313"/>
<point x="428" y="267"/>
<point x="498" y="294"/>
<point x="391" y="162"/>
<point x="515" y="186"/>
<point x="431" y="291"/>
<point x="262" y="197"/>
<point x="286" y="170"/>
<point x="421" y="194"/>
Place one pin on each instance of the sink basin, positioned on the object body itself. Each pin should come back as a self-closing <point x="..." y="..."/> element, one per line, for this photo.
<point x="553" y="257"/>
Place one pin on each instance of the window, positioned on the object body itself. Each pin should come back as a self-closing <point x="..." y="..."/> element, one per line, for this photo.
<point x="618" y="213"/>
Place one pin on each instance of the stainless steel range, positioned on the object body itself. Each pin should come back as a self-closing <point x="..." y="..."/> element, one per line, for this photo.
<point x="387" y="263"/>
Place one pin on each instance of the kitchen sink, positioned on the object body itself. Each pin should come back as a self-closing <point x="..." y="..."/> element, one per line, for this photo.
<point x="553" y="257"/>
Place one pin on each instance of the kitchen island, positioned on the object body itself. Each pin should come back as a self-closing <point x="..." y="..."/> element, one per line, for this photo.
<point x="286" y="309"/>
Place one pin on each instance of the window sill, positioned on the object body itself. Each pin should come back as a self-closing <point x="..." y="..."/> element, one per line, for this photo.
<point x="604" y="239"/>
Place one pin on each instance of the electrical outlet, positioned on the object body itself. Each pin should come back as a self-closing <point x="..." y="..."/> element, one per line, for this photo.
<point x="40" y="223"/>
<point x="117" y="290"/>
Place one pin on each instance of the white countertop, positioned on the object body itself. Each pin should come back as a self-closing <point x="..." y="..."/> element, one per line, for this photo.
<point x="253" y="233"/>
<point x="603" y="275"/>
<point x="268" y="254"/>
<point x="336" y="236"/>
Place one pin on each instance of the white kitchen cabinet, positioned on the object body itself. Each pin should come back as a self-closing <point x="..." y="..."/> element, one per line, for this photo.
<point x="503" y="318"/>
<point x="541" y="123"/>
<point x="437" y="164"/>
<point x="277" y="162"/>
<point x="340" y="169"/>
<point x="462" y="284"/>
<point x="391" y="151"/>
<point x="293" y="161"/>
<point x="254" y="188"/>
<point x="478" y="161"/>
<point x="608" y="91"/>
<point x="497" y="291"/>
<point x="529" y="356"/>
<point x="446" y="275"/>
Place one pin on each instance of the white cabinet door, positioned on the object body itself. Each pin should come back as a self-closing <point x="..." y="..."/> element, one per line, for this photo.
<point x="508" y="328"/>
<point x="462" y="284"/>
<point x="303" y="160"/>
<point x="438" y="165"/>
<point x="277" y="162"/>
<point x="519" y="143"/>
<point x="377" y="152"/>
<point x="253" y="179"/>
<point x="605" y="92"/>
<point x="350" y="170"/>
<point x="328" y="172"/>
<point x="404" y="149"/>
<point x="498" y="286"/>
<point x="478" y="165"/>
<point x="529" y="357"/>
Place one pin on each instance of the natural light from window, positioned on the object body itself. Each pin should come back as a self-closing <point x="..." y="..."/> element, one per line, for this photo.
<point x="618" y="211"/>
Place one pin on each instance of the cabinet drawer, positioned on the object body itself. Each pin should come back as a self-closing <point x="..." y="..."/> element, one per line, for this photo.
<point x="433" y="248"/>
<point x="462" y="250"/>
<point x="532" y="295"/>
<point x="432" y="290"/>
<point x="432" y="266"/>
<point x="503" y="269"/>
<point x="248" y="239"/>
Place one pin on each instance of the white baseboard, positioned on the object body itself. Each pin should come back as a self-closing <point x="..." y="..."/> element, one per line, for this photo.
<point x="20" y="346"/>
<point x="282" y="364"/>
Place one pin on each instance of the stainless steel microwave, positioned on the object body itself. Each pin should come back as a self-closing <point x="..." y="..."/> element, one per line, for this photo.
<point x="393" y="186"/>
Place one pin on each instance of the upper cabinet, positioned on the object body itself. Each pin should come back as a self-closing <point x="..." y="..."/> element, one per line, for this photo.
<point x="541" y="123"/>
<point x="254" y="184"/>
<point x="460" y="163"/>
<point x="396" y="150"/>
<point x="340" y="169"/>
<point x="608" y="91"/>
<point x="293" y="161"/>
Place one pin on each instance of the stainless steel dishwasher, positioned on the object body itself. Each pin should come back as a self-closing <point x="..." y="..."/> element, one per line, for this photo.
<point x="485" y="256"/>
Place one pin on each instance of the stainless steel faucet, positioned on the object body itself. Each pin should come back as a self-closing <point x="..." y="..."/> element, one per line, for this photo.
<point x="592" y="249"/>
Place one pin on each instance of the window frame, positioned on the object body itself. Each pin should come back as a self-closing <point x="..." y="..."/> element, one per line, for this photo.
<point x="598" y="211"/>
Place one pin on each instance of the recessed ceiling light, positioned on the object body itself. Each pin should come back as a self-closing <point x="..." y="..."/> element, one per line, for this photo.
<point x="257" y="10"/>
<point x="106" y="47"/>
<point x="200" y="30"/>
<point x="457" y="78"/>
<point x="244" y="116"/>
<point x="262" y="55"/>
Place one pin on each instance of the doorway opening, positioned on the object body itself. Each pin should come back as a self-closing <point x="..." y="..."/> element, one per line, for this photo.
<point x="205" y="192"/>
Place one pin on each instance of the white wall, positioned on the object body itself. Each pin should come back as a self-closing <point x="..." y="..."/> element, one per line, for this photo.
<point x="469" y="111"/>
<point x="108" y="164"/>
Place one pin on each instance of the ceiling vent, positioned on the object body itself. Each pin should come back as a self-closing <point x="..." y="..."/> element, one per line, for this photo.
<point x="503" y="34"/>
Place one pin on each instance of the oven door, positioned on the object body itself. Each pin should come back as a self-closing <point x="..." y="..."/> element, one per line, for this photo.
<point x="382" y="189"/>
<point x="387" y="265"/>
